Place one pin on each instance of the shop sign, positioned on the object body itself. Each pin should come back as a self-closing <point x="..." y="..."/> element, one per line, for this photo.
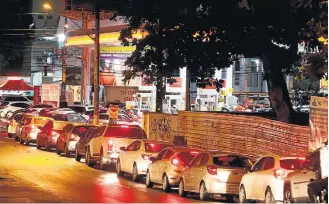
<point x="119" y="49"/>
<point x="50" y="94"/>
<point x="114" y="112"/>
<point x="36" y="98"/>
<point x="177" y="83"/>
<point x="324" y="84"/>
<point x="120" y="93"/>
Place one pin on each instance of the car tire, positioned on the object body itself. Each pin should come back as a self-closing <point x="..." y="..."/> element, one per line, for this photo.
<point x="181" y="189"/>
<point x="10" y="135"/>
<point x="102" y="166"/>
<point x="148" y="183"/>
<point x="16" y="138"/>
<point x="243" y="195"/>
<point x="118" y="168"/>
<point x="66" y="151"/>
<point x="230" y="198"/>
<point x="38" y="145"/>
<point x="165" y="184"/>
<point x="47" y="147"/>
<point x="77" y="155"/>
<point x="21" y="141"/>
<point x="287" y="197"/>
<point x="9" y="115"/>
<point x="203" y="193"/>
<point x="88" y="159"/>
<point x="269" y="196"/>
<point x="136" y="177"/>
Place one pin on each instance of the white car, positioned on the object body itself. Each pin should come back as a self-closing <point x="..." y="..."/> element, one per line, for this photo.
<point x="167" y="167"/>
<point x="15" y="98"/>
<point x="13" y="124"/>
<point x="105" y="146"/>
<point x="40" y="107"/>
<point x="265" y="180"/>
<point x="135" y="158"/>
<point x="296" y="183"/>
<point x="8" y="109"/>
<point x="214" y="173"/>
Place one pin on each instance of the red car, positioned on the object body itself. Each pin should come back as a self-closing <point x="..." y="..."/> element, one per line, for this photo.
<point x="48" y="135"/>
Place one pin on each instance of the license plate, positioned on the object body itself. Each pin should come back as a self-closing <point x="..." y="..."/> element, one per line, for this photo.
<point x="232" y="189"/>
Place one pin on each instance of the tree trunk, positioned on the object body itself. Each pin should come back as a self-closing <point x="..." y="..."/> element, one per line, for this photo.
<point x="278" y="92"/>
<point x="160" y="94"/>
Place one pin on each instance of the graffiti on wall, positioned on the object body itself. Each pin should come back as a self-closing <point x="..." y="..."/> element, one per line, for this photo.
<point x="162" y="128"/>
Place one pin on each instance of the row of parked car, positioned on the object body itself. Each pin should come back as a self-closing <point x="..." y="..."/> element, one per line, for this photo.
<point x="209" y="173"/>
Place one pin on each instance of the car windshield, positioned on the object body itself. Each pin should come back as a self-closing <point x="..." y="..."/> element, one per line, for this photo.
<point x="290" y="164"/>
<point x="42" y="106"/>
<point x="40" y="121"/>
<point x="231" y="161"/>
<point x="155" y="148"/>
<point x="125" y="132"/>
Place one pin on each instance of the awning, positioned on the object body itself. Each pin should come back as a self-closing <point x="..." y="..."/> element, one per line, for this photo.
<point x="16" y="85"/>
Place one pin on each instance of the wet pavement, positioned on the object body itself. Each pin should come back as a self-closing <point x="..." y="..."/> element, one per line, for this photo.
<point x="31" y="175"/>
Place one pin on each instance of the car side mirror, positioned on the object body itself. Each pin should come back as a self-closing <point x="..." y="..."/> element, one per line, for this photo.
<point x="123" y="148"/>
<point x="153" y="159"/>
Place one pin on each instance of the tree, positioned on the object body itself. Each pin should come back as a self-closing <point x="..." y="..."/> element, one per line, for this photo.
<point x="14" y="39"/>
<point x="207" y="35"/>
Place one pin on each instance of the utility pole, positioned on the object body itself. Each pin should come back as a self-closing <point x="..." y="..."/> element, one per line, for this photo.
<point x="188" y="90"/>
<point x="63" y="102"/>
<point x="96" y="64"/>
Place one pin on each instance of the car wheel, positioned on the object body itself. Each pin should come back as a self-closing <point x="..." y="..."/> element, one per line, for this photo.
<point x="58" y="151"/>
<point x="9" y="115"/>
<point x="203" y="192"/>
<point x="88" y="159"/>
<point x="181" y="189"/>
<point x="101" y="164"/>
<point x="269" y="196"/>
<point x="47" y="147"/>
<point x="148" y="183"/>
<point x="118" y="168"/>
<point x="38" y="144"/>
<point x="10" y="135"/>
<point x="16" y="138"/>
<point x="165" y="184"/>
<point x="243" y="195"/>
<point x="287" y="195"/>
<point x="136" y="177"/>
<point x="27" y="143"/>
<point x="66" y="150"/>
<point x="77" y="155"/>
<point x="21" y="141"/>
<point x="230" y="198"/>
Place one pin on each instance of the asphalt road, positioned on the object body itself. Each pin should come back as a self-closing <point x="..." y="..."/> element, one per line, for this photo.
<point x="31" y="175"/>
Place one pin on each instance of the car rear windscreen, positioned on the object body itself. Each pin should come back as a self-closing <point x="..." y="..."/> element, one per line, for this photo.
<point x="80" y="130"/>
<point x="290" y="164"/>
<point x="104" y="117"/>
<point x="125" y="132"/>
<point x="59" y="125"/>
<point x="231" y="161"/>
<point x="185" y="157"/>
<point x="40" y="121"/>
<point x="155" y="148"/>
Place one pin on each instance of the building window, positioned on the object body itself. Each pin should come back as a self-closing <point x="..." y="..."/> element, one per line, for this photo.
<point x="237" y="65"/>
<point x="224" y="74"/>
<point x="49" y="17"/>
<point x="237" y="80"/>
<point x="40" y="16"/>
<point x="252" y="79"/>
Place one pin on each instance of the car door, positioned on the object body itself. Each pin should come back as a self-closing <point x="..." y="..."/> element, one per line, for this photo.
<point x="83" y="141"/>
<point x="62" y="138"/>
<point x="250" y="179"/>
<point x="165" y="163"/>
<point x="263" y="176"/>
<point x="125" y="156"/>
<point x="45" y="133"/>
<point x="154" y="167"/>
<point x="199" y="171"/>
<point x="188" y="172"/>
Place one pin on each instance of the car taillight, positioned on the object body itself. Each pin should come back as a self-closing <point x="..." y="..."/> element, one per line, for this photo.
<point x="175" y="162"/>
<point x="124" y="126"/>
<point x="301" y="158"/>
<point x="11" y="123"/>
<point x="212" y="170"/>
<point x="279" y="173"/>
<point x="146" y="156"/>
<point x="110" y="145"/>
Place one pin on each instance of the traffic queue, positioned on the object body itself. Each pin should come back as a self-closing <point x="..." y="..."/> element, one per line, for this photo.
<point x="125" y="145"/>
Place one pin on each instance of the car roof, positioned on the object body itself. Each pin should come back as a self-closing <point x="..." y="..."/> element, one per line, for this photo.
<point x="218" y="154"/>
<point x="177" y="149"/>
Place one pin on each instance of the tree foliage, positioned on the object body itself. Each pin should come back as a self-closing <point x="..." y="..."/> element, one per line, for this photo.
<point x="13" y="40"/>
